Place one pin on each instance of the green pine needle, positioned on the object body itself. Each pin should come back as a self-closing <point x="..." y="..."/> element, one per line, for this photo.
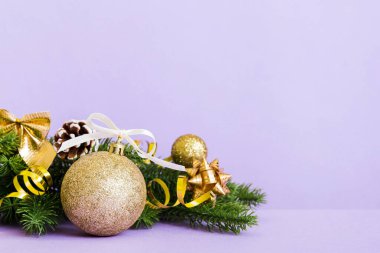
<point x="224" y="217"/>
<point x="16" y="164"/>
<point x="245" y="194"/>
<point x="4" y="166"/>
<point x="58" y="170"/>
<point x="11" y="162"/>
<point x="8" y="210"/>
<point x="148" y="218"/>
<point x="9" y="143"/>
<point x="38" y="214"/>
<point x="4" y="189"/>
<point x="12" y="165"/>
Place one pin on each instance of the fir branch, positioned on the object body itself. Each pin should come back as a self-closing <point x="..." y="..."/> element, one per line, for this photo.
<point x="4" y="188"/>
<point x="245" y="194"/>
<point x="232" y="212"/>
<point x="58" y="170"/>
<point x="9" y="143"/>
<point x="16" y="164"/>
<point x="12" y="165"/>
<point x="8" y="210"/>
<point x="38" y="214"/>
<point x="148" y="218"/>
<point x="11" y="162"/>
<point x="224" y="217"/>
<point x="4" y="166"/>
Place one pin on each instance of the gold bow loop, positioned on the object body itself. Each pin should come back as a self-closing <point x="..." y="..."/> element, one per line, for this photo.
<point x="32" y="130"/>
<point x="34" y="149"/>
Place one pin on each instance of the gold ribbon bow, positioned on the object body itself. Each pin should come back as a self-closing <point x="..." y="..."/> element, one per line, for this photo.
<point x="32" y="130"/>
<point x="35" y="150"/>
<point x="204" y="177"/>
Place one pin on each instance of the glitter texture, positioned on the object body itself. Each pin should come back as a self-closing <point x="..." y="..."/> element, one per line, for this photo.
<point x="188" y="147"/>
<point x="103" y="193"/>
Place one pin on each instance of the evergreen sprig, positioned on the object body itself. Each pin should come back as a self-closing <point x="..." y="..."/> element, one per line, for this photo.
<point x="232" y="213"/>
<point x="12" y="165"/>
<point x="148" y="218"/>
<point x="224" y="217"/>
<point x="245" y="194"/>
<point x="8" y="210"/>
<point x="11" y="162"/>
<point x="38" y="214"/>
<point x="9" y="143"/>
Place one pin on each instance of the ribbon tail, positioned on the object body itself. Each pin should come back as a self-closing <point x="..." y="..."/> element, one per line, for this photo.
<point x="166" y="164"/>
<point x="149" y="155"/>
<point x="83" y="138"/>
<point x="41" y="158"/>
<point x="181" y="191"/>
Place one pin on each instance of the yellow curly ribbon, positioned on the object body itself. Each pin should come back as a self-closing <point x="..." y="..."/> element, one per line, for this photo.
<point x="181" y="191"/>
<point x="181" y="188"/>
<point x="156" y="203"/>
<point x="40" y="177"/>
<point x="35" y="150"/>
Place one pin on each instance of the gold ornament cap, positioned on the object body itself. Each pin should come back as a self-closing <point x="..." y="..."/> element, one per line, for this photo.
<point x="117" y="147"/>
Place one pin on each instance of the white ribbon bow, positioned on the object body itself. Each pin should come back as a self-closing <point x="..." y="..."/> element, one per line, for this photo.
<point x="113" y="131"/>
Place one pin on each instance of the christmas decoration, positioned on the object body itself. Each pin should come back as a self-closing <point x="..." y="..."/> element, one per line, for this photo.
<point x="32" y="130"/>
<point x="111" y="130"/>
<point x="188" y="147"/>
<point x="231" y="213"/>
<point x="206" y="182"/>
<point x="36" y="152"/>
<point x="37" y="214"/>
<point x="181" y="189"/>
<point x="206" y="177"/>
<point x="103" y="193"/>
<point x="70" y="130"/>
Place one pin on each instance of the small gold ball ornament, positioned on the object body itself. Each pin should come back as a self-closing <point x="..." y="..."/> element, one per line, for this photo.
<point x="103" y="193"/>
<point x="188" y="147"/>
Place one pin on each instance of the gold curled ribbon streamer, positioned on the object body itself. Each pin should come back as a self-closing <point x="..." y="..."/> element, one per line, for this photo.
<point x="35" y="150"/>
<point x="181" y="191"/>
<point x="40" y="178"/>
<point x="181" y="188"/>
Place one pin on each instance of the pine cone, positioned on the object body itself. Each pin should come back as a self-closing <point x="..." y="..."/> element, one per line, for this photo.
<point x="70" y="130"/>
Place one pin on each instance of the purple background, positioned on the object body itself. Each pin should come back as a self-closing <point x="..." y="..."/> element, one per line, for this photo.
<point x="285" y="231"/>
<point x="285" y="93"/>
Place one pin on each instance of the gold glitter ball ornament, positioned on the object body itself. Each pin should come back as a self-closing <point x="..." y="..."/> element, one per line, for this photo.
<point x="188" y="147"/>
<point x="103" y="193"/>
